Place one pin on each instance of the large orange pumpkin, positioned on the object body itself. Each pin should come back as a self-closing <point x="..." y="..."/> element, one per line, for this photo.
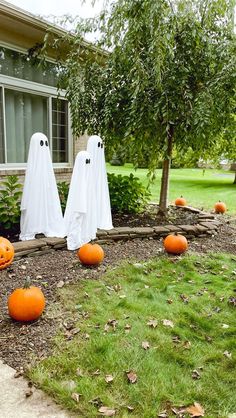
<point x="26" y="304"/>
<point x="180" y="201"/>
<point x="175" y="244"/>
<point x="220" y="207"/>
<point x="6" y="253"/>
<point x="91" y="254"/>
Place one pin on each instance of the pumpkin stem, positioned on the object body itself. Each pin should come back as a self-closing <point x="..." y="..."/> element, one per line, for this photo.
<point x="27" y="283"/>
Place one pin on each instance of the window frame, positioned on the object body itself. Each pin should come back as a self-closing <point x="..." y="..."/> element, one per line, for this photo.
<point x="35" y="88"/>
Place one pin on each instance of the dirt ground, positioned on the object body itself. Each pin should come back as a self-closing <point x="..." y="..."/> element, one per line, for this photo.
<point x="20" y="344"/>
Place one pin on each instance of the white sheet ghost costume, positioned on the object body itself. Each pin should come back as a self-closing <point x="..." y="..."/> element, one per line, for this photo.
<point x="95" y="148"/>
<point x="80" y="214"/>
<point x="40" y="203"/>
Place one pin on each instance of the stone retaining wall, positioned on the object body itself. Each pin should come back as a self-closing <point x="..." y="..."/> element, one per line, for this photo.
<point x="206" y="225"/>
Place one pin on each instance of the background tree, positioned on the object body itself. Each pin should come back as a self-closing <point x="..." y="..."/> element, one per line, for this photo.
<point x="168" y="79"/>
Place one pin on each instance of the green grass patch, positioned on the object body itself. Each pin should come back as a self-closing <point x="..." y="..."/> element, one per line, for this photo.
<point x="201" y="191"/>
<point x="192" y="293"/>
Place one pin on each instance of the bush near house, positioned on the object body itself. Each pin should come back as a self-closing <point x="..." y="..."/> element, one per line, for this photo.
<point x="10" y="195"/>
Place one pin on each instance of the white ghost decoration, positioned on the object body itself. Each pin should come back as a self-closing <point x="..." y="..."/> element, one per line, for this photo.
<point x="80" y="214"/>
<point x="40" y="204"/>
<point x="95" y="147"/>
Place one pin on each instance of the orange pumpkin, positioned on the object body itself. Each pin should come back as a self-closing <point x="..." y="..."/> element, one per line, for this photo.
<point x="26" y="304"/>
<point x="175" y="244"/>
<point x="6" y="253"/>
<point x="91" y="254"/>
<point x="180" y="201"/>
<point x="220" y="207"/>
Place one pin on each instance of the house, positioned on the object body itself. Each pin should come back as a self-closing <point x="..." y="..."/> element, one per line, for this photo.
<point x="29" y="97"/>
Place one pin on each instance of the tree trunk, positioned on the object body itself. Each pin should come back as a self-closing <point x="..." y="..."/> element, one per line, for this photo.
<point x="234" y="178"/>
<point x="164" y="193"/>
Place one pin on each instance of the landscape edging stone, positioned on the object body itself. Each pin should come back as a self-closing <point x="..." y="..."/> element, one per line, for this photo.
<point x="206" y="225"/>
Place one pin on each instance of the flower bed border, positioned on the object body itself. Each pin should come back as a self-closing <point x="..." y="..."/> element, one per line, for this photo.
<point x="206" y="225"/>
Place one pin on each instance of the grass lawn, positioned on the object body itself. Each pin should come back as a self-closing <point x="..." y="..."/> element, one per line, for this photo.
<point x="199" y="190"/>
<point x="168" y="322"/>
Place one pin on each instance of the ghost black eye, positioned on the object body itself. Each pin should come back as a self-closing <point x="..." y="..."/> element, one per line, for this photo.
<point x="46" y="143"/>
<point x="41" y="142"/>
<point x="99" y="144"/>
<point x="87" y="161"/>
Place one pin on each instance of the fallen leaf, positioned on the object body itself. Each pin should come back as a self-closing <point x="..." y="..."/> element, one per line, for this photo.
<point x="60" y="284"/>
<point x="96" y="402"/>
<point x="176" y="339"/>
<point x="152" y="323"/>
<point x="96" y="373"/>
<point x="187" y="345"/>
<point x="208" y="338"/>
<point x="28" y="392"/>
<point x="109" y="378"/>
<point x="225" y="326"/>
<point x="122" y="296"/>
<point x="146" y="286"/>
<point x="86" y="336"/>
<point x="132" y="377"/>
<point x="76" y="397"/>
<point x="195" y="410"/>
<point x="127" y="327"/>
<point x="184" y="298"/>
<point x="170" y="301"/>
<point x="167" y="323"/>
<point x="145" y="345"/>
<point x="163" y="414"/>
<point x="111" y="323"/>
<point x="227" y="354"/>
<point x="130" y="408"/>
<point x="196" y="375"/>
<point x="179" y="411"/>
<point x="106" y="411"/>
<point x="79" y="372"/>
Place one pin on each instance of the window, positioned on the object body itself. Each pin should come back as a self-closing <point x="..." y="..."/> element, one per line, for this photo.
<point x="29" y="104"/>
<point x="25" y="114"/>
<point x="19" y="65"/>
<point x="59" y="130"/>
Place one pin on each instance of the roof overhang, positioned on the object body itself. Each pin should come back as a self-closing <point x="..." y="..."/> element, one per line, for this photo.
<point x="24" y="30"/>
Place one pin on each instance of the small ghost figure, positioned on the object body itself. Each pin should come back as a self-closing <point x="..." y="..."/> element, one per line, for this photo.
<point x="95" y="147"/>
<point x="40" y="204"/>
<point x="80" y="215"/>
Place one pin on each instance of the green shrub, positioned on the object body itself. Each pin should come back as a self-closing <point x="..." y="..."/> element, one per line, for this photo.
<point x="63" y="190"/>
<point x="10" y="197"/>
<point x="127" y="193"/>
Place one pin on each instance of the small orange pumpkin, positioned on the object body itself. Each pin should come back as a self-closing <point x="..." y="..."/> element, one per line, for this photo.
<point x="26" y="304"/>
<point x="180" y="201"/>
<point x="220" y="207"/>
<point x="91" y="254"/>
<point x="175" y="244"/>
<point x="6" y="253"/>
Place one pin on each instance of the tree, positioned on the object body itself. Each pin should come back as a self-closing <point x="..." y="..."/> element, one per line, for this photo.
<point x="168" y="78"/>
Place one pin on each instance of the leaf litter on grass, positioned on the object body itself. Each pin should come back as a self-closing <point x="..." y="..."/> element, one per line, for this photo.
<point x="175" y="349"/>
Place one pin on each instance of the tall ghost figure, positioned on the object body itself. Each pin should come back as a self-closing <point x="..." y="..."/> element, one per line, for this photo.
<point x="40" y="203"/>
<point x="99" y="175"/>
<point x="80" y="216"/>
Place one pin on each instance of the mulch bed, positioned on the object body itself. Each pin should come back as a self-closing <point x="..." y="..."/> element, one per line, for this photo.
<point x="21" y="344"/>
<point x="176" y="216"/>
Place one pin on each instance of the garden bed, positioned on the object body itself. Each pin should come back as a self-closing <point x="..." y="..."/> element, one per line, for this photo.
<point x="20" y="344"/>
